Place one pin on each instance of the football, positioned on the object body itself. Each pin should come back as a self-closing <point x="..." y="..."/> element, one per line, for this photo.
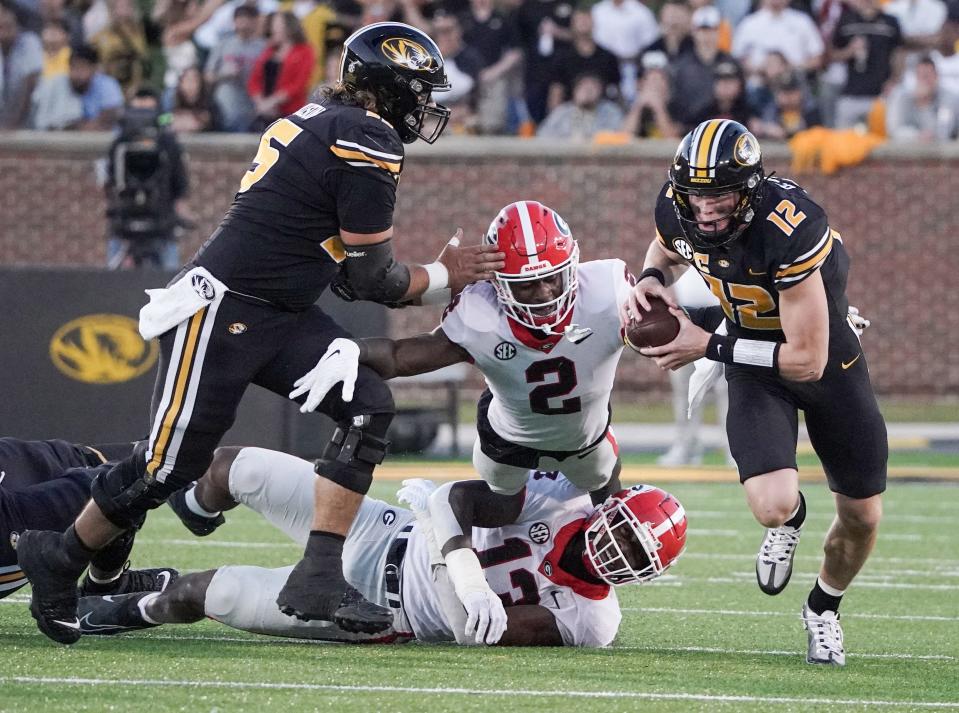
<point x="658" y="327"/>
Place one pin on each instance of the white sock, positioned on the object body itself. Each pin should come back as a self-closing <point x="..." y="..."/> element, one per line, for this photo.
<point x="195" y="507"/>
<point x="142" y="606"/>
<point x="104" y="580"/>
<point x="831" y="591"/>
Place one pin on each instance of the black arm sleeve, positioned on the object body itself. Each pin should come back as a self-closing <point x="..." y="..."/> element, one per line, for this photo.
<point x="374" y="275"/>
<point x="708" y="318"/>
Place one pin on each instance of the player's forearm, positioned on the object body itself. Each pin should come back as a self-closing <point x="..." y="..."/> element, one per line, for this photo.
<point x="801" y="362"/>
<point x="378" y="353"/>
<point x="657" y="258"/>
<point x="406" y="357"/>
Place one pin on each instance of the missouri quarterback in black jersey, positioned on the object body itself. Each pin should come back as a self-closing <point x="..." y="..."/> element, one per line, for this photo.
<point x="779" y="270"/>
<point x="315" y="209"/>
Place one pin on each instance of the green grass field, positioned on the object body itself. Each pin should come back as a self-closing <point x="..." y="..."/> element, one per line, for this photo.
<point x="702" y="638"/>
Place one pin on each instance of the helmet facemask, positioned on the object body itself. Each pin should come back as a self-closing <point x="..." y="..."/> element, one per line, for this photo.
<point x="543" y="316"/>
<point x="701" y="233"/>
<point x="427" y="119"/>
<point x="619" y="548"/>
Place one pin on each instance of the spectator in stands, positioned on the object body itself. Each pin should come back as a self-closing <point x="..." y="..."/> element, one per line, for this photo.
<point x="625" y="28"/>
<point x="122" y="46"/>
<point x="922" y="110"/>
<point x="494" y="36"/>
<point x="674" y="31"/>
<point x="946" y="56"/>
<point x="58" y="11"/>
<point x="587" y="114"/>
<point x="228" y="70"/>
<point x="725" y="40"/>
<point x="541" y="25"/>
<point x="920" y="21"/>
<point x="220" y="25"/>
<point x="179" y="20"/>
<point x="650" y="116"/>
<point x="582" y="56"/>
<point x="793" y="109"/>
<point x="693" y="75"/>
<point x="21" y="63"/>
<point x="776" y="26"/>
<point x="280" y="78"/>
<point x="868" y="41"/>
<point x="761" y="88"/>
<point x="729" y="97"/>
<point x="192" y="109"/>
<point x="463" y="66"/>
<point x="55" y="38"/>
<point x="86" y="99"/>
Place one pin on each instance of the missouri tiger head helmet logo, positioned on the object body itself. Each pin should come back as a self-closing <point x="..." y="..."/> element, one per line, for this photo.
<point x="408" y="54"/>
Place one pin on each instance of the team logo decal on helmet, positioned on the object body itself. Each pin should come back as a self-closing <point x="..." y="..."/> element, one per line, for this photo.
<point x="407" y="53"/>
<point x="747" y="152"/>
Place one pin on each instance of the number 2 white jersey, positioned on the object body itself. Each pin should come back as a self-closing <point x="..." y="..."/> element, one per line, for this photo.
<point x="551" y="395"/>
<point x="521" y="564"/>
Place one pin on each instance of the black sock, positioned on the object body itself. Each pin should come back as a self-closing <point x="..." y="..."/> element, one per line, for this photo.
<point x="819" y="601"/>
<point x="800" y="517"/>
<point x="76" y="553"/>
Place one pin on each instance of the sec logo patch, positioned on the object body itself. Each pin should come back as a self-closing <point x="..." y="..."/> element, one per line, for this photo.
<point x="504" y="351"/>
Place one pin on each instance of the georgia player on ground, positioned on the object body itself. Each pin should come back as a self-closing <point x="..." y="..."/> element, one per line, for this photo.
<point x="547" y="571"/>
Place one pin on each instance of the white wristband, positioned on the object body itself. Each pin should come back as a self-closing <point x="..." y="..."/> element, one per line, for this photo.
<point x="437" y="291"/>
<point x="465" y="571"/>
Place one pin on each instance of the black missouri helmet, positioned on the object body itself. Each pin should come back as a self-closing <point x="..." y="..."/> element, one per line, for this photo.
<point x="717" y="157"/>
<point x="401" y="66"/>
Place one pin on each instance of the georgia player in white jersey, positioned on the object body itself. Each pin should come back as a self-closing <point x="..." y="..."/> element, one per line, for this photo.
<point x="545" y="333"/>
<point x="553" y="567"/>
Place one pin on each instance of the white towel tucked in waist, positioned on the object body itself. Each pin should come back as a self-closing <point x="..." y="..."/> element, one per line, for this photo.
<point x="171" y="305"/>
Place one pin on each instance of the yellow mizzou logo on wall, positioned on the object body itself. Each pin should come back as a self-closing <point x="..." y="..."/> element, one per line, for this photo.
<point x="102" y="349"/>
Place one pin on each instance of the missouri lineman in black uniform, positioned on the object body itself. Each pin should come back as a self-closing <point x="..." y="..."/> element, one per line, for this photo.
<point x="768" y="253"/>
<point x="45" y="485"/>
<point x="316" y="206"/>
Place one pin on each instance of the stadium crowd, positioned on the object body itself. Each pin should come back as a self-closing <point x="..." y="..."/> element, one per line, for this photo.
<point x="517" y="66"/>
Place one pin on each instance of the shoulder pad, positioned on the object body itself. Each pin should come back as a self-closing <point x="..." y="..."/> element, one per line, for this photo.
<point x="361" y="138"/>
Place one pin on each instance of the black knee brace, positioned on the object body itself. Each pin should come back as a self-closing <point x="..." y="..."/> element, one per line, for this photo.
<point x="356" y="448"/>
<point x="125" y="493"/>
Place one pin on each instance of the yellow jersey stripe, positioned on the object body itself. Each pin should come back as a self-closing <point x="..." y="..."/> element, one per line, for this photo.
<point x="12" y="577"/>
<point x="179" y="392"/>
<point x="807" y="264"/>
<point x="360" y="156"/>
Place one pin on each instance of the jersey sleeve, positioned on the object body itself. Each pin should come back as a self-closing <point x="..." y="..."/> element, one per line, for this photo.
<point x="584" y="622"/>
<point x="372" y="160"/>
<point x="667" y="224"/>
<point x="551" y="497"/>
<point x="470" y="314"/>
<point x="804" y="246"/>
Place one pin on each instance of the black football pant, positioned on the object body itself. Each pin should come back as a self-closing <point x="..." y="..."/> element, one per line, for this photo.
<point x="206" y="363"/>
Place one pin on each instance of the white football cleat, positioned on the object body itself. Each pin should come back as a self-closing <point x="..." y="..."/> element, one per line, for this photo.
<point x="774" y="563"/>
<point x="825" y="637"/>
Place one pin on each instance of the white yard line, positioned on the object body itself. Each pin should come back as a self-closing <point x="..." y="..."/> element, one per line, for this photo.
<point x="500" y="693"/>
<point x="791" y="615"/>
<point x="763" y="652"/>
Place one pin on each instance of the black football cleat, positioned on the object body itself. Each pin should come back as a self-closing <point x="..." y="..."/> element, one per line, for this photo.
<point x="130" y="581"/>
<point x="112" y="614"/>
<point x="53" y="577"/>
<point x="358" y="615"/>
<point x="313" y="594"/>
<point x="197" y="524"/>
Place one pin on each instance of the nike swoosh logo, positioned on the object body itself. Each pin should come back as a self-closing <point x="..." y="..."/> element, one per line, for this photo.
<point x="333" y="354"/>
<point x="753" y="272"/>
<point x="165" y="576"/>
<point x="75" y="624"/>
<point x="846" y="365"/>
<point x="90" y="626"/>
<point x="719" y="349"/>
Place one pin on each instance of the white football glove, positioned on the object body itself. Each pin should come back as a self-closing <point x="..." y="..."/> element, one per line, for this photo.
<point x="415" y="493"/>
<point x="340" y="363"/>
<point x="485" y="614"/>
<point x="856" y="321"/>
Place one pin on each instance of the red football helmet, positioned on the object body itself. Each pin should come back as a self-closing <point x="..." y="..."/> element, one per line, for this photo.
<point x="538" y="244"/>
<point x="635" y="535"/>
